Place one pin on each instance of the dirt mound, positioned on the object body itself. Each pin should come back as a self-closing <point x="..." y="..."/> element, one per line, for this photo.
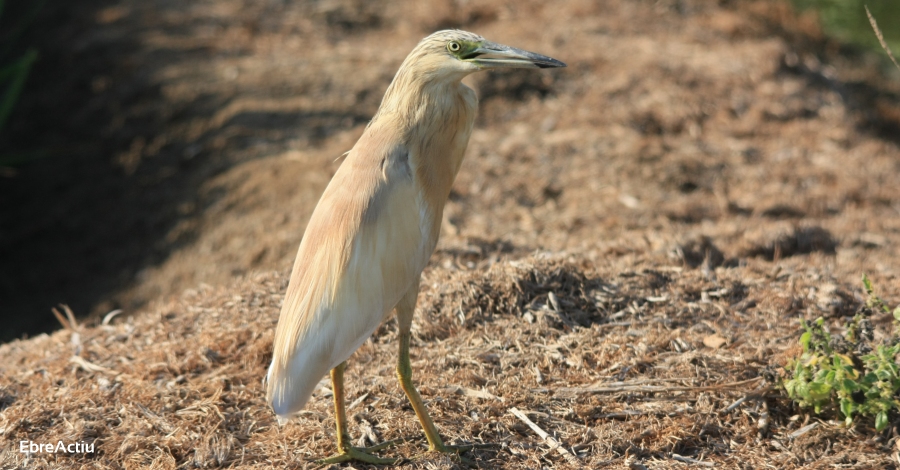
<point x="210" y="130"/>
<point x="623" y="363"/>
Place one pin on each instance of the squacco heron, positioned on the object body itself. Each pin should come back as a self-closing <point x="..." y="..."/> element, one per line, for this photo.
<point x="376" y="226"/>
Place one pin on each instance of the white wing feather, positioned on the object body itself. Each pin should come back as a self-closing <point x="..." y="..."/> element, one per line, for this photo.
<point x="386" y="257"/>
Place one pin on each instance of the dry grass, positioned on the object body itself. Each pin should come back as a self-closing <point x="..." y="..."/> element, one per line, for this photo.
<point x="635" y="364"/>
<point x="704" y="173"/>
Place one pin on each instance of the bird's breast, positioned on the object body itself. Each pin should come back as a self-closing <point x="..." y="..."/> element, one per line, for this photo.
<point x="437" y="136"/>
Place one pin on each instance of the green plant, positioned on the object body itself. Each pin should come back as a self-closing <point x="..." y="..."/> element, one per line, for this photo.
<point x="13" y="72"/>
<point x="848" y="373"/>
<point x="13" y="76"/>
<point x="847" y="21"/>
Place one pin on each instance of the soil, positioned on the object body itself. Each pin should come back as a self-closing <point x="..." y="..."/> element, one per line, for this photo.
<point x="701" y="177"/>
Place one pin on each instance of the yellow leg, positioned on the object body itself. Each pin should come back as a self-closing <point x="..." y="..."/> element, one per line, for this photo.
<point x="405" y="310"/>
<point x="404" y="373"/>
<point x="345" y="451"/>
<point x="340" y="409"/>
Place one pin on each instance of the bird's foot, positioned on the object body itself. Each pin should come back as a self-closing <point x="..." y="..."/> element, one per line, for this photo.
<point x="362" y="454"/>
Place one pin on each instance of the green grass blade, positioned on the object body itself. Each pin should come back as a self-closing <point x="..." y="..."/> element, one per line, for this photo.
<point x="19" y="72"/>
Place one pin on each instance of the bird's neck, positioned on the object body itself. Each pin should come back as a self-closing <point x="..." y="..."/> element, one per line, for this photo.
<point x="411" y="92"/>
<point x="436" y="118"/>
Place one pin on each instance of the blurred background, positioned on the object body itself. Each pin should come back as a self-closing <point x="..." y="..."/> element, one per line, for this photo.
<point x="148" y="147"/>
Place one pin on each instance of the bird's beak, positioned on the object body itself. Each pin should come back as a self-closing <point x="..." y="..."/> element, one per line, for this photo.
<point x="490" y="55"/>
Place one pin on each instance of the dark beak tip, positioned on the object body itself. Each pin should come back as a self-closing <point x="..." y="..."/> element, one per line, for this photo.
<point x="551" y="64"/>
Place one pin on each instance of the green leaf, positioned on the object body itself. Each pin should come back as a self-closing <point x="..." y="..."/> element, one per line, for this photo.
<point x="868" y="380"/>
<point x="849" y="386"/>
<point x="881" y="420"/>
<point x="804" y="340"/>
<point x="790" y="387"/>
<point x="819" y="390"/>
<point x="847" y="409"/>
<point x="17" y="73"/>
<point x="836" y="361"/>
<point x="825" y="380"/>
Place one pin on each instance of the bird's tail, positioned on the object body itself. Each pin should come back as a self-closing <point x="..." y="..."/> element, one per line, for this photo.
<point x="291" y="385"/>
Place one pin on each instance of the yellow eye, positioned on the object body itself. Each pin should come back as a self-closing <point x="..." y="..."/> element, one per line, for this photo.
<point x="453" y="46"/>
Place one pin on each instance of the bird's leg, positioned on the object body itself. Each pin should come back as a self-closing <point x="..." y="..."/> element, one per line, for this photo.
<point x="345" y="450"/>
<point x="404" y="372"/>
<point x="405" y="310"/>
<point x="340" y="409"/>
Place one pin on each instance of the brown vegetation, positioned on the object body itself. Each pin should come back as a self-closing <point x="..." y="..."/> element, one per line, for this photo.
<point x="628" y="250"/>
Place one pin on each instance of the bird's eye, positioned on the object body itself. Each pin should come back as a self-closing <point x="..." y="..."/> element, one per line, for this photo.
<point x="453" y="46"/>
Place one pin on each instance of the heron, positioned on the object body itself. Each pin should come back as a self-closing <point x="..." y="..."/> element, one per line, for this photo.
<point x="375" y="227"/>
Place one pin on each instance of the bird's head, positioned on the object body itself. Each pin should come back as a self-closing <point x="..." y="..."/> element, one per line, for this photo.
<point x="455" y="53"/>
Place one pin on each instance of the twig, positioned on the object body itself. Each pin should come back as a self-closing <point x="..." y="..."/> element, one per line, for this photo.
<point x="109" y="316"/>
<point x="546" y="437"/>
<point x="758" y="393"/>
<point x="737" y="403"/>
<point x="612" y="324"/>
<point x="637" y="466"/>
<point x="367" y="433"/>
<point x="90" y="366"/>
<point x="554" y="304"/>
<point x="358" y="401"/>
<point x="155" y="420"/>
<point x="763" y="424"/>
<point x="627" y="413"/>
<point x="642" y="381"/>
<point x="881" y="37"/>
<point x="692" y="461"/>
<point x="68" y="322"/>
<point x="623" y="387"/>
<point x="803" y="430"/>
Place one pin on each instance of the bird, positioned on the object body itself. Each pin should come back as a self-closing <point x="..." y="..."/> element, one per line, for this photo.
<point x="375" y="227"/>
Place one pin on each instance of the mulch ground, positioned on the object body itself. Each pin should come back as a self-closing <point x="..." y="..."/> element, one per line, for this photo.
<point x="639" y="362"/>
<point x="627" y="254"/>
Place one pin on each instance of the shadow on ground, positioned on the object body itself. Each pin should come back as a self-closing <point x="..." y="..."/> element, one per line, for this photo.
<point x="103" y="158"/>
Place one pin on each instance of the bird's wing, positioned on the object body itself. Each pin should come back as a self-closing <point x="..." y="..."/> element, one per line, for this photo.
<point x="362" y="250"/>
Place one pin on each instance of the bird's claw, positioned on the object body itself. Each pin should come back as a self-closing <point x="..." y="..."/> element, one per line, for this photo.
<point x="354" y="453"/>
<point x="362" y="454"/>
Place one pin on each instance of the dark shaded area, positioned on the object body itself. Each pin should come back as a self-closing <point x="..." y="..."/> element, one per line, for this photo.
<point x="6" y="400"/>
<point x="694" y="213"/>
<point x="802" y="240"/>
<point x="783" y="211"/>
<point x="464" y="16"/>
<point x="564" y="292"/>
<point x="56" y="134"/>
<point x="352" y="16"/>
<point x="95" y="178"/>
<point x="700" y="251"/>
<point x="480" y="249"/>
<point x="878" y="107"/>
